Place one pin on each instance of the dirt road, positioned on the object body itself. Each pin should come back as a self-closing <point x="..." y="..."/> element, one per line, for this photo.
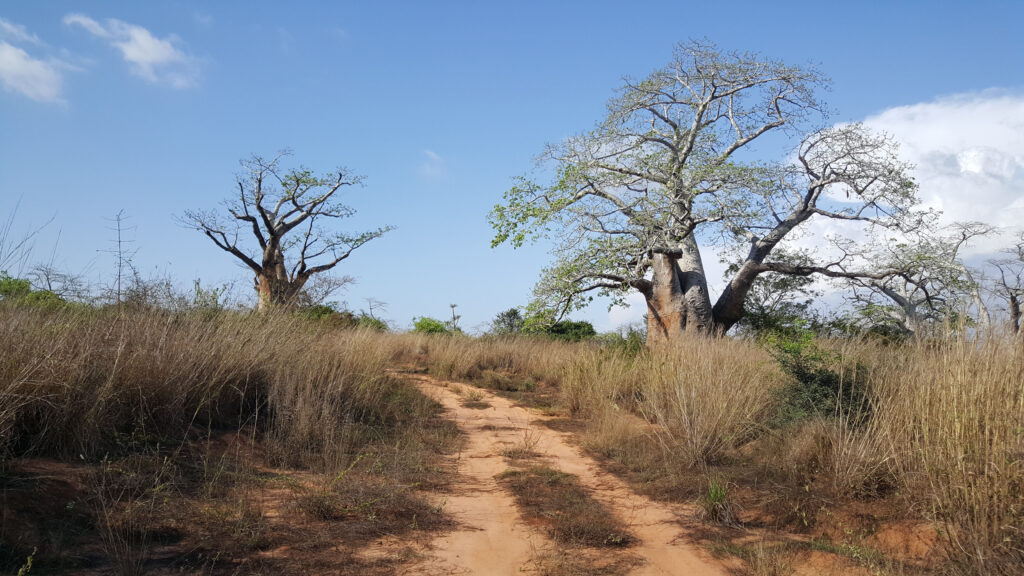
<point x="494" y="539"/>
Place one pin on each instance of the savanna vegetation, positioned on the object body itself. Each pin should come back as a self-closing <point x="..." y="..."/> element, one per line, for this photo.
<point x="147" y="431"/>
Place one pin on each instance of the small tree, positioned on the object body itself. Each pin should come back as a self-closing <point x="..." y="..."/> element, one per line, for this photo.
<point x="508" y="322"/>
<point x="571" y="330"/>
<point x="1009" y="285"/>
<point x="931" y="285"/>
<point x="284" y="209"/>
<point x="777" y="303"/>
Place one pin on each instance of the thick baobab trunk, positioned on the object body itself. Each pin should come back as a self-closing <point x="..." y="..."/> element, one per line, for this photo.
<point x="678" y="299"/>
<point x="1015" y="310"/>
<point x="273" y="286"/>
<point x="276" y="292"/>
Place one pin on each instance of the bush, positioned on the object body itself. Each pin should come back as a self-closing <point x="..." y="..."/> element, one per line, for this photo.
<point x="20" y="290"/>
<point x="571" y="331"/>
<point x="330" y="315"/>
<point x="13" y="288"/>
<point x="632" y="343"/>
<point x="820" y="385"/>
<point x="371" y="323"/>
<point x="427" y="325"/>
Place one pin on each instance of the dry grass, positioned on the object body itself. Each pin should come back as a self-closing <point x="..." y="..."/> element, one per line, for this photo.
<point x="954" y="415"/>
<point x="570" y="513"/>
<point x="935" y="429"/>
<point x="526" y="448"/>
<point x="704" y="396"/>
<point x="165" y="431"/>
<point x="939" y="424"/>
<point x="458" y="357"/>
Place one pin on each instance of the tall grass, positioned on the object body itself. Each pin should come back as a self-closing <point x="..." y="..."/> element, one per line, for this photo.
<point x="169" y="424"/>
<point x="459" y="357"/>
<point x="83" y="382"/>
<point x="954" y="414"/>
<point x="704" y="395"/>
<point x="941" y="423"/>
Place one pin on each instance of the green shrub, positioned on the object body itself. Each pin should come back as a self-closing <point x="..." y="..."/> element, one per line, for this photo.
<point x="13" y="288"/>
<point x="631" y="343"/>
<point x="372" y="323"/>
<point x="20" y="290"/>
<point x="715" y="505"/>
<point x="820" y="384"/>
<point x="427" y="325"/>
<point x="571" y="331"/>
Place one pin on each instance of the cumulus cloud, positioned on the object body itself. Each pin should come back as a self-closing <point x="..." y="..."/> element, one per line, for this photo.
<point x="968" y="151"/>
<point x="157" y="60"/>
<point x="37" y="79"/>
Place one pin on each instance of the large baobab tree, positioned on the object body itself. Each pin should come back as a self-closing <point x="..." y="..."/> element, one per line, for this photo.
<point x="284" y="210"/>
<point x="671" y="168"/>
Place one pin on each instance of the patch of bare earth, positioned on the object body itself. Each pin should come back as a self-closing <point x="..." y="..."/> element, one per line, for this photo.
<point x="495" y="536"/>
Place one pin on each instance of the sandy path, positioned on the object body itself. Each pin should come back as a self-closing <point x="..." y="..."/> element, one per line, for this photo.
<point x="493" y="538"/>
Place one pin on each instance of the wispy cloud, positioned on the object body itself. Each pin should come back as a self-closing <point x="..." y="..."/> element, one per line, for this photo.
<point x="433" y="166"/>
<point x="17" y="33"/>
<point x="203" y="19"/>
<point x="37" y="79"/>
<point x="157" y="60"/>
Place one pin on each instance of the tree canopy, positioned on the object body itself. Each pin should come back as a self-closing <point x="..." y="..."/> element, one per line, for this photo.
<point x="285" y="210"/>
<point x="671" y="169"/>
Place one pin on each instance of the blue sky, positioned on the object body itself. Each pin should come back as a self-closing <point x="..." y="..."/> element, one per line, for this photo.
<point x="147" y="108"/>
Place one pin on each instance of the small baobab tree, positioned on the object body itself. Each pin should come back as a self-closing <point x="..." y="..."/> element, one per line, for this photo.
<point x="285" y="211"/>
<point x="929" y="287"/>
<point x="1009" y="282"/>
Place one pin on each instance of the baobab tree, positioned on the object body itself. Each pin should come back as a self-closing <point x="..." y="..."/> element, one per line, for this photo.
<point x="931" y="286"/>
<point x="1009" y="282"/>
<point x="670" y="169"/>
<point x="285" y="211"/>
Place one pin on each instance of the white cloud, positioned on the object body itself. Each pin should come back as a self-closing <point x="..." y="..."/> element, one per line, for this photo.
<point x="157" y="60"/>
<point x="433" y="166"/>
<point x="17" y="33"/>
<point x="969" y="155"/>
<point x="37" y="79"/>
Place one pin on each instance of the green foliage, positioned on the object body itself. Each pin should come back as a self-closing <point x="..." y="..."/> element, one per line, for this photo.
<point x="427" y="325"/>
<point x="13" y="288"/>
<point x="208" y="298"/>
<point x="20" y="290"/>
<point x="632" y="343"/>
<point x="572" y="331"/>
<point x="372" y="323"/>
<point x="777" y="303"/>
<point x="820" y="384"/>
<point x="510" y="321"/>
<point x="716" y="505"/>
<point x="330" y="314"/>
<point x="318" y="311"/>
